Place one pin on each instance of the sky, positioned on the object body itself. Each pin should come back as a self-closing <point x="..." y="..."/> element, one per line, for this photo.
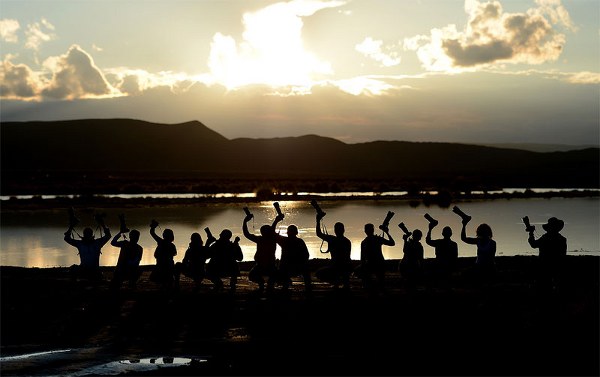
<point x="469" y="71"/>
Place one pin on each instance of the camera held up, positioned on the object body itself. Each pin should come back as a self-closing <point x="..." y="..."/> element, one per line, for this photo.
<point x="404" y="229"/>
<point x="528" y="226"/>
<point x="386" y="222"/>
<point x="432" y="222"/>
<point x="465" y="218"/>
<point x="315" y="205"/>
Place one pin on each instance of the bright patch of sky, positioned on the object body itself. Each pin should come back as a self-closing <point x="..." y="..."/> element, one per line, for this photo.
<point x="351" y="69"/>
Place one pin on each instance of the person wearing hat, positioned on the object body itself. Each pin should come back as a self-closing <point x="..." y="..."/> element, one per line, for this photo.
<point x="553" y="248"/>
<point x="89" y="252"/>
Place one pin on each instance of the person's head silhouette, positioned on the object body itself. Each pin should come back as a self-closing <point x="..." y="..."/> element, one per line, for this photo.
<point x="447" y="232"/>
<point x="338" y="229"/>
<point x="416" y="235"/>
<point x="553" y="225"/>
<point x="266" y="230"/>
<point x="195" y="239"/>
<point x="134" y="236"/>
<point x="225" y="235"/>
<point x="369" y="229"/>
<point x="168" y="235"/>
<point x="292" y="231"/>
<point x="88" y="234"/>
<point x="484" y="231"/>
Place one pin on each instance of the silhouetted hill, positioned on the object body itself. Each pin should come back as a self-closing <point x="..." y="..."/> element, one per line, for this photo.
<point x="110" y="154"/>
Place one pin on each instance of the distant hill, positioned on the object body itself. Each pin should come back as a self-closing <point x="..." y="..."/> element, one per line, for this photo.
<point x="118" y="154"/>
<point x="537" y="147"/>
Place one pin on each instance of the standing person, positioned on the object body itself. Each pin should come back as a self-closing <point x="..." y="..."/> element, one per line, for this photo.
<point x="264" y="258"/>
<point x="89" y="250"/>
<point x="340" y="267"/>
<point x="446" y="253"/>
<point x="129" y="259"/>
<point x="485" y="265"/>
<point x="164" y="271"/>
<point x="294" y="259"/>
<point x="552" y="253"/>
<point x="411" y="265"/>
<point x="371" y="256"/>
<point x="224" y="257"/>
<point x="194" y="261"/>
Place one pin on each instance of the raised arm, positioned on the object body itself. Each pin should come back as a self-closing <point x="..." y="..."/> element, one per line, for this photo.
<point x="153" y="226"/>
<point x="320" y="233"/>
<point x="389" y="241"/>
<point x="115" y="241"/>
<point x="246" y="232"/>
<point x="463" y="235"/>
<point x="428" y="236"/>
<point x="532" y="241"/>
<point x="69" y="237"/>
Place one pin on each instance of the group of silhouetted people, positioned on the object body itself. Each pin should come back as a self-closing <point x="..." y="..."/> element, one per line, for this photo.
<point x="217" y="259"/>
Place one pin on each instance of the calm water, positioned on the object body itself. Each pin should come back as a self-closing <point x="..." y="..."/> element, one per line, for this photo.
<point x="35" y="239"/>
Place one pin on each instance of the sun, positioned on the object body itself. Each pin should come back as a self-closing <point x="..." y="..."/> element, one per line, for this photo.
<point x="271" y="51"/>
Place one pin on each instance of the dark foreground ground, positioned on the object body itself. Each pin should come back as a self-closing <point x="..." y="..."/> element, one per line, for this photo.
<point x="506" y="328"/>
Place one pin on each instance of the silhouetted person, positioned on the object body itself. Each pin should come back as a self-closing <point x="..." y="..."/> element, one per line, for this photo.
<point x="89" y="250"/>
<point x="411" y="265"/>
<point x="446" y="253"/>
<point x="224" y="256"/>
<point x="371" y="256"/>
<point x="485" y="265"/>
<point x="264" y="258"/>
<point x="128" y="263"/>
<point x="193" y="264"/>
<point x="294" y="258"/>
<point x="339" y="247"/>
<point x="552" y="253"/>
<point x="164" y="271"/>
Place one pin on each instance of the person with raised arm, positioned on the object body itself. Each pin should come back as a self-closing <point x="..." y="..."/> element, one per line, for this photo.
<point x="339" y="247"/>
<point x="224" y="257"/>
<point x="265" y="262"/>
<point x="485" y="263"/>
<point x="446" y="251"/>
<point x="89" y="249"/>
<point x="411" y="264"/>
<point x="130" y="256"/>
<point x="371" y="255"/>
<point x="294" y="259"/>
<point x="164" y="271"/>
<point x="194" y="260"/>
<point x="552" y="253"/>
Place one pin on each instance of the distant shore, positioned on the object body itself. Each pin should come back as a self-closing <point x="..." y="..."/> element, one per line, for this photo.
<point x="442" y="198"/>
<point x="504" y="328"/>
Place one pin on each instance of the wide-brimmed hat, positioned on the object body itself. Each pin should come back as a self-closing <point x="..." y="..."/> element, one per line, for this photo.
<point x="553" y="224"/>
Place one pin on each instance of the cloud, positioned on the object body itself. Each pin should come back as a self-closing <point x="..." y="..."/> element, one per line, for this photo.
<point x="271" y="51"/>
<point x="38" y="33"/>
<point x="74" y="75"/>
<point x="8" y="30"/>
<point x="494" y="36"/>
<point x="372" y="49"/>
<point x="18" y="81"/>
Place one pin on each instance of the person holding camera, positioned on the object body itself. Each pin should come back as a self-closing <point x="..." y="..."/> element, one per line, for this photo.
<point x="552" y="253"/>
<point x="266" y="245"/>
<point x="446" y="253"/>
<point x="224" y="257"/>
<point x="164" y="271"/>
<point x="411" y="264"/>
<point x="194" y="261"/>
<point x="130" y="256"/>
<point x="89" y="250"/>
<point x="371" y="256"/>
<point x="339" y="247"/>
<point x="294" y="259"/>
<point x="485" y="264"/>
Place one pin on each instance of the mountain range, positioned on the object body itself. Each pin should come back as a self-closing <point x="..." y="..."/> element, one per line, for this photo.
<point x="125" y="152"/>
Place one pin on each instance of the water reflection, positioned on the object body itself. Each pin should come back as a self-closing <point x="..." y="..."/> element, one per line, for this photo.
<point x="35" y="238"/>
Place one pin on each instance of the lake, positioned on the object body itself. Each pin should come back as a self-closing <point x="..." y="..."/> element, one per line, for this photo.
<point x="35" y="238"/>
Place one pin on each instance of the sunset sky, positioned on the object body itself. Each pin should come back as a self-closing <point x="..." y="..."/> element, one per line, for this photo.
<point x="357" y="70"/>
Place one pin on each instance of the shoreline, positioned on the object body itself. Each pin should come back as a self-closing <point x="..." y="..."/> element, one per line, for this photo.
<point x="505" y="328"/>
<point x="442" y="199"/>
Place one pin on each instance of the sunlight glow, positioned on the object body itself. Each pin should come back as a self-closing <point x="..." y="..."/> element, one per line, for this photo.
<point x="272" y="50"/>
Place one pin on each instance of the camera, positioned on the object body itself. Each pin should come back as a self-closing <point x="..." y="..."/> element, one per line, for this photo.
<point x="247" y="212"/>
<point x="432" y="222"/>
<point x="123" y="228"/>
<point x="404" y="229"/>
<point x="528" y="226"/>
<point x="99" y="218"/>
<point x="208" y="233"/>
<point x="73" y="220"/>
<point x="153" y="223"/>
<point x="466" y="218"/>
<point x="278" y="209"/>
<point x="317" y="208"/>
<point x="386" y="221"/>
